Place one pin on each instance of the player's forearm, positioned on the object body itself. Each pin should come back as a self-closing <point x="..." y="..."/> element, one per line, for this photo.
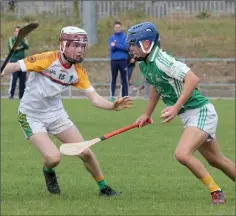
<point x="103" y="103"/>
<point x="99" y="101"/>
<point x="11" y="67"/>
<point x="190" y="83"/>
<point x="152" y="101"/>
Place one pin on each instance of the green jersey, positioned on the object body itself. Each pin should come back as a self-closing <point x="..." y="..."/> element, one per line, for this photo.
<point x="166" y="75"/>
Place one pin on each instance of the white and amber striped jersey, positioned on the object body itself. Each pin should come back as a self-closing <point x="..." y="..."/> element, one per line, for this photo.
<point x="48" y="79"/>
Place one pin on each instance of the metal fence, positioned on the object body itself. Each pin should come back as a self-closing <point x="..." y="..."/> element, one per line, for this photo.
<point x="156" y="9"/>
<point x="211" y="90"/>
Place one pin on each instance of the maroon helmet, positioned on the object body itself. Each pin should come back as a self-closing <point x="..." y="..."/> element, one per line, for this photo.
<point x="73" y="44"/>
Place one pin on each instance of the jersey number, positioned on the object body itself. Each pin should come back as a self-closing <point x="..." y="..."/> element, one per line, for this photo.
<point x="62" y="76"/>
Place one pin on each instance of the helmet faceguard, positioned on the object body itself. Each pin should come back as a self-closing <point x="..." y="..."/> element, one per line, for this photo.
<point x="73" y="44"/>
<point x="141" y="32"/>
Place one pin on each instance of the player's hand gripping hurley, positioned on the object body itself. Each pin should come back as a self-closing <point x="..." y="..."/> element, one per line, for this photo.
<point x="73" y="149"/>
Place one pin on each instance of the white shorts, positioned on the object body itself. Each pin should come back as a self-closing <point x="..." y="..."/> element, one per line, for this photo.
<point x="204" y="118"/>
<point x="37" y="124"/>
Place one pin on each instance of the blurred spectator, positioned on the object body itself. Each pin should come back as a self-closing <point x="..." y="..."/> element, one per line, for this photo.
<point x="17" y="55"/>
<point x="119" y="56"/>
<point x="11" y="6"/>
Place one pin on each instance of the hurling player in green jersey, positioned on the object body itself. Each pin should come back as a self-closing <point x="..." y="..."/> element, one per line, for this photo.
<point x="175" y="83"/>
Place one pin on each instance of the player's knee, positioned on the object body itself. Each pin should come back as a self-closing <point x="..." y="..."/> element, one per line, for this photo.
<point x="86" y="155"/>
<point x="181" y="156"/>
<point x="52" y="160"/>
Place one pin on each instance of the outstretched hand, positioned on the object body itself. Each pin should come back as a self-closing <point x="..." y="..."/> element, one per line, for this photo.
<point x="122" y="103"/>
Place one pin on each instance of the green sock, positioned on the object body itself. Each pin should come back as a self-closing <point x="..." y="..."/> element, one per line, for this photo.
<point x="102" y="184"/>
<point x="48" y="170"/>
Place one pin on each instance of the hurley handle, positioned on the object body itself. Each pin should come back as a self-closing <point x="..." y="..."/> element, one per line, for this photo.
<point x="126" y="128"/>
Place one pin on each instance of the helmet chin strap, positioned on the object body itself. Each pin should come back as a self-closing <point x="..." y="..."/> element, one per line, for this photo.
<point x="144" y="51"/>
<point x="150" y="48"/>
<point x="140" y="58"/>
<point x="70" y="60"/>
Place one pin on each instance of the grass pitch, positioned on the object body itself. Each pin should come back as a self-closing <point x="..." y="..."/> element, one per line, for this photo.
<point x="139" y="162"/>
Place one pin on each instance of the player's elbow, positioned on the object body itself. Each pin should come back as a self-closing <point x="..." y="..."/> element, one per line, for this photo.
<point x="16" y="66"/>
<point x="192" y="78"/>
<point x="196" y="80"/>
<point x="12" y="67"/>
